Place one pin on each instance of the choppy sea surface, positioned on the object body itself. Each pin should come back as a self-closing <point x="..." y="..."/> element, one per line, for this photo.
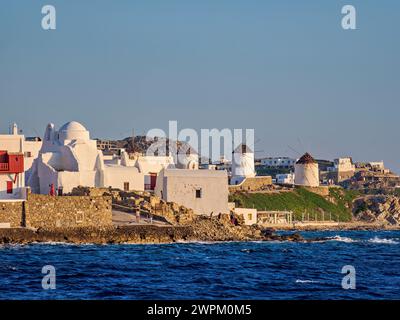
<point x="252" y="270"/>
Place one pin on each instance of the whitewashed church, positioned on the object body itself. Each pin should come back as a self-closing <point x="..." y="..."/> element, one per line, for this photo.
<point x="69" y="158"/>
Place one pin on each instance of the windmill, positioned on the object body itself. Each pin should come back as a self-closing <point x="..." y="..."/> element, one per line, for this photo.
<point x="306" y="169"/>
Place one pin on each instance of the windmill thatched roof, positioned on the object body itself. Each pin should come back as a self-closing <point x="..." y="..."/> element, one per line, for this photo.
<point x="306" y="158"/>
<point x="243" y="148"/>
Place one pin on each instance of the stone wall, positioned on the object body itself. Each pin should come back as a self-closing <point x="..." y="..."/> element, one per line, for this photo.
<point x="12" y="213"/>
<point x="252" y="184"/>
<point x="321" y="190"/>
<point x="48" y="212"/>
<point x="340" y="176"/>
<point x="64" y="212"/>
<point x="344" y="175"/>
<point x="145" y="202"/>
<point x="90" y="191"/>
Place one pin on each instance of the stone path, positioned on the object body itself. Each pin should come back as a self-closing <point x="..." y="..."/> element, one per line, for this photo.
<point x="121" y="218"/>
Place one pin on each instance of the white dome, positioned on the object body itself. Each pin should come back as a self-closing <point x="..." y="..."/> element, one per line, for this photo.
<point x="73" y="126"/>
<point x="73" y="131"/>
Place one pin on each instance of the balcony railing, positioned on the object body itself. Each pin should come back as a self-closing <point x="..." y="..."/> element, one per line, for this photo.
<point x="4" y="167"/>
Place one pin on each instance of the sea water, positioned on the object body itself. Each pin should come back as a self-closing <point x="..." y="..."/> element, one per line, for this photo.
<point x="229" y="270"/>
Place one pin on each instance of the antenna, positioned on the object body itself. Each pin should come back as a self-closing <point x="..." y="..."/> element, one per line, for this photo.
<point x="301" y="144"/>
<point x="257" y="140"/>
<point x="133" y="140"/>
<point x="36" y="132"/>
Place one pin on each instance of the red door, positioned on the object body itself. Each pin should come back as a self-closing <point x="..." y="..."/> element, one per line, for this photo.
<point x="9" y="187"/>
<point x="153" y="180"/>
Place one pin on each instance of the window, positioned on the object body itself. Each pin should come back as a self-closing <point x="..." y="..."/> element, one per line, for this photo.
<point x="198" y="193"/>
<point x="28" y="154"/>
<point x="250" y="216"/>
<point x="126" y="186"/>
<point x="80" y="217"/>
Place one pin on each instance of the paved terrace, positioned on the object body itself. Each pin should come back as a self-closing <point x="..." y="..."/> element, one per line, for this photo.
<point x="121" y="218"/>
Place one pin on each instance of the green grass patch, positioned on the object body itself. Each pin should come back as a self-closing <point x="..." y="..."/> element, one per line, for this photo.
<point x="301" y="201"/>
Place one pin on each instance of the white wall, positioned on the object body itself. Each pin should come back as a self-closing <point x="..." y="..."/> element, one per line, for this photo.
<point x="69" y="180"/>
<point x="306" y="174"/>
<point x="116" y="176"/>
<point x="154" y="164"/>
<point x="237" y="180"/>
<point x="242" y="167"/>
<point x="11" y="143"/>
<point x="285" y="178"/>
<point x="377" y="164"/>
<point x="86" y="154"/>
<point x="180" y="185"/>
<point x="18" y="186"/>
<point x="33" y="147"/>
<point x="344" y="165"/>
<point x="249" y="215"/>
<point x="47" y="176"/>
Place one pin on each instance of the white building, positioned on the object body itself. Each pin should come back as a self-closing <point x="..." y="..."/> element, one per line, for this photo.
<point x="249" y="215"/>
<point x="306" y="171"/>
<point x="278" y="162"/>
<point x="242" y="164"/>
<point x="343" y="169"/>
<point x="151" y="166"/>
<point x="69" y="158"/>
<point x="344" y="165"/>
<point x="285" y="178"/>
<point x="377" y="165"/>
<point x="32" y="148"/>
<point x="204" y="191"/>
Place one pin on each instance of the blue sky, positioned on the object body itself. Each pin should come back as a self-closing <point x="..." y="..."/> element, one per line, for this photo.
<point x="285" y="68"/>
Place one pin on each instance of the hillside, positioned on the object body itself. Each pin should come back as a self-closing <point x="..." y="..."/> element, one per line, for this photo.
<point x="301" y="201"/>
<point x="141" y="144"/>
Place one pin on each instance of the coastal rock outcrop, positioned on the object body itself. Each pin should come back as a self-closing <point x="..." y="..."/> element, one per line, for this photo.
<point x="203" y="229"/>
<point x="378" y="208"/>
<point x="144" y="202"/>
<point x="181" y="225"/>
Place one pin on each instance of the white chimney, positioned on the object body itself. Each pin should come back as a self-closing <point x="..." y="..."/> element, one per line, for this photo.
<point x="14" y="129"/>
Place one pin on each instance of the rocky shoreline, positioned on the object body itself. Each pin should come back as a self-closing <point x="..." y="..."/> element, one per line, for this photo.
<point x="202" y="230"/>
<point x="347" y="226"/>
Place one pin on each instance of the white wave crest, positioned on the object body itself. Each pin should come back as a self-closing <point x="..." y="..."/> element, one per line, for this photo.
<point x="384" y="241"/>
<point x="342" y="239"/>
<point x="306" y="281"/>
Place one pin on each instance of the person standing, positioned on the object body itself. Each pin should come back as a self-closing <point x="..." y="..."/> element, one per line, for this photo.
<point x="137" y="215"/>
